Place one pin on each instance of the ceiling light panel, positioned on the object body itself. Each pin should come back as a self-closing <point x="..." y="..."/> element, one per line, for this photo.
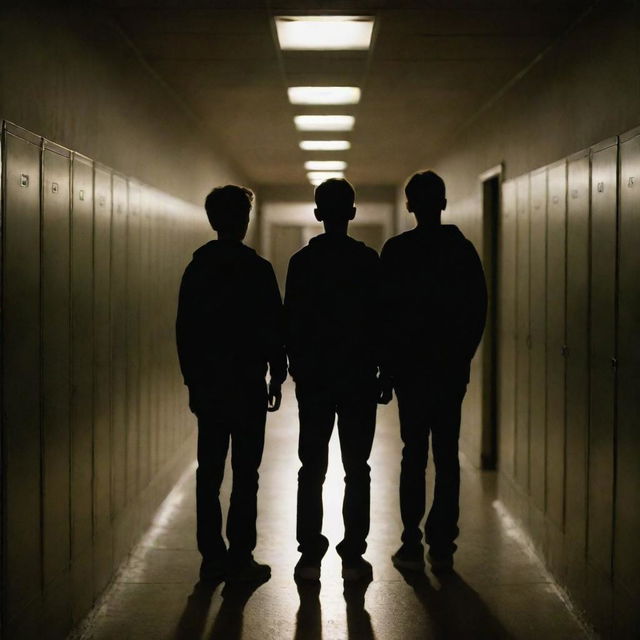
<point x="324" y="32"/>
<point x="325" y="145"/>
<point x="324" y="123"/>
<point x="325" y="165"/>
<point x="324" y="95"/>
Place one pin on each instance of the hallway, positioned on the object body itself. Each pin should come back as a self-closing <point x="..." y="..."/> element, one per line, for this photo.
<point x="499" y="590"/>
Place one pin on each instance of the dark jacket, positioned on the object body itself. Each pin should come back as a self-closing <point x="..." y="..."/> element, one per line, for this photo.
<point x="435" y="302"/>
<point x="331" y="311"/>
<point x="230" y="324"/>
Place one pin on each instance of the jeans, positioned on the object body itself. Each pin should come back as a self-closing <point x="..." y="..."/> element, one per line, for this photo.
<point x="239" y="416"/>
<point x="356" y="411"/>
<point x="430" y="406"/>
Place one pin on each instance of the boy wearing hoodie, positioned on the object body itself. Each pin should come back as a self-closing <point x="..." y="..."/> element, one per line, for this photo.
<point x="332" y="344"/>
<point x="229" y="331"/>
<point x="435" y="300"/>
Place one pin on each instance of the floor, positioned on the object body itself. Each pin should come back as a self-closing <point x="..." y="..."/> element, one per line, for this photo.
<point x="498" y="591"/>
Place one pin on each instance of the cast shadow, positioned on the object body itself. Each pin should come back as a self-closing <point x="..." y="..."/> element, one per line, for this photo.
<point x="309" y="616"/>
<point x="358" y="618"/>
<point x="455" y="610"/>
<point x="194" y="617"/>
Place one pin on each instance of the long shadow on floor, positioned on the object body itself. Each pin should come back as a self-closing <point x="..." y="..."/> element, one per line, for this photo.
<point x="358" y="618"/>
<point x="455" y="610"/>
<point x="228" y="622"/>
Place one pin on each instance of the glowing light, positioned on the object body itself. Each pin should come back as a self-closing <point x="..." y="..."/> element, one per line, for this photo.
<point x="318" y="177"/>
<point x="325" y="165"/>
<point x="324" y="95"/>
<point x="325" y="145"/>
<point x="324" y="32"/>
<point x="324" y="123"/>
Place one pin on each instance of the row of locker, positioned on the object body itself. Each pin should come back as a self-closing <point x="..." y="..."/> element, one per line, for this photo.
<point x="93" y="404"/>
<point x="569" y="350"/>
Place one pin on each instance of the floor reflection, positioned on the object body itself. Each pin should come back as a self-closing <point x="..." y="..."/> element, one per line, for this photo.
<point x="358" y="618"/>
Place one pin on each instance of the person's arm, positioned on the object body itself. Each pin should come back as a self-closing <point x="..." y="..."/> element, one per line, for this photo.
<point x="384" y="303"/>
<point x="276" y="355"/>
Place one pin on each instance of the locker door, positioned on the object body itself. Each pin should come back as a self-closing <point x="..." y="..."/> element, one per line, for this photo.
<point x="556" y="236"/>
<point x="506" y="327"/>
<point x="132" y="343"/>
<point x="82" y="384"/>
<point x="118" y="343"/>
<point x="627" y="520"/>
<point x="602" y="350"/>
<point x="537" y="317"/>
<point x="21" y="369"/>
<point x="56" y="345"/>
<point x="577" y="362"/>
<point x="102" y="387"/>
<point x="522" y="332"/>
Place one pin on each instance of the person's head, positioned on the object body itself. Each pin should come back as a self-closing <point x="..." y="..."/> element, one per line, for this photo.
<point x="335" y="200"/>
<point x="426" y="195"/>
<point x="228" y="210"/>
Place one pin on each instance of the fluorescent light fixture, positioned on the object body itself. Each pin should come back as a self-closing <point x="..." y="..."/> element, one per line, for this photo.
<point x="324" y="32"/>
<point x="324" y="95"/>
<point x="324" y="123"/>
<point x="325" y="165"/>
<point x="318" y="177"/>
<point x="325" y="145"/>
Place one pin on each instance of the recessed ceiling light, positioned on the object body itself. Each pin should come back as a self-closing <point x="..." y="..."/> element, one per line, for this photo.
<point x="325" y="165"/>
<point x="324" y="95"/>
<point x="324" y="123"/>
<point x="317" y="177"/>
<point x="325" y="145"/>
<point x="324" y="32"/>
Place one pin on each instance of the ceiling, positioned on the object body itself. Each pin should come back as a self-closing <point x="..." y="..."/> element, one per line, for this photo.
<point x="431" y="66"/>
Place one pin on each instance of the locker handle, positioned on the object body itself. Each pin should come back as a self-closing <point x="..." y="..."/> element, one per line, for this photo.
<point x="614" y="363"/>
<point x="564" y="350"/>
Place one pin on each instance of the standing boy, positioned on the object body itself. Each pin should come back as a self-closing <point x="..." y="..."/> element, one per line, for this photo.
<point x="332" y="338"/>
<point x="228" y="332"/>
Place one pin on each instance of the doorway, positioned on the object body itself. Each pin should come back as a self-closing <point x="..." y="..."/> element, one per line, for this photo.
<point x="490" y="233"/>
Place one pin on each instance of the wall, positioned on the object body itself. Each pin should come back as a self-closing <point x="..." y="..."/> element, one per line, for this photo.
<point x="569" y="319"/>
<point x="95" y="419"/>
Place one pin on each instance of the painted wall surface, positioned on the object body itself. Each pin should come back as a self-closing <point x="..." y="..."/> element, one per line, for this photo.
<point x="568" y="314"/>
<point x="72" y="76"/>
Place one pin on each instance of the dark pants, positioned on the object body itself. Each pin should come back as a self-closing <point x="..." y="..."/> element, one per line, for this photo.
<point x="238" y="415"/>
<point x="356" y="411"/>
<point x="430" y="406"/>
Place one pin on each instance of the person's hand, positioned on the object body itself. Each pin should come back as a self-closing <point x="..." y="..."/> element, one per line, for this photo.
<point x="385" y="390"/>
<point x="274" y="397"/>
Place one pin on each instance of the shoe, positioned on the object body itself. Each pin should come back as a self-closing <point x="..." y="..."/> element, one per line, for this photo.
<point x="356" y="569"/>
<point x="248" y="571"/>
<point x="440" y="564"/>
<point x="409" y="558"/>
<point x="212" y="573"/>
<point x="307" y="568"/>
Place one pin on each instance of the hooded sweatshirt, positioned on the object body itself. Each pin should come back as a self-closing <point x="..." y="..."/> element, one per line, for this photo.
<point x="435" y="303"/>
<point x="229" y="326"/>
<point x="331" y="311"/>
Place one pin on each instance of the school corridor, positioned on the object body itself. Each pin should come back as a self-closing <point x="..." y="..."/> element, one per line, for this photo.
<point x="118" y="117"/>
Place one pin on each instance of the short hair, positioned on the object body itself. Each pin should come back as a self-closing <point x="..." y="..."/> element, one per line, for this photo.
<point x="425" y="188"/>
<point x="335" y="194"/>
<point x="228" y="207"/>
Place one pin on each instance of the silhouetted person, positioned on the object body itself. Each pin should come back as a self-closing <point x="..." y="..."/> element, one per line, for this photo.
<point x="435" y="301"/>
<point x="229" y="329"/>
<point x="332" y="336"/>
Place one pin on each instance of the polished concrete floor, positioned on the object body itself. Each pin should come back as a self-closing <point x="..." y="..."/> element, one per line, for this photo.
<point x="498" y="591"/>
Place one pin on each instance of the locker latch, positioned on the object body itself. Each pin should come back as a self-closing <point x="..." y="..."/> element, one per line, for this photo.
<point x="614" y="363"/>
<point x="54" y="187"/>
<point x="564" y="350"/>
<point x="24" y="180"/>
<point x="600" y="187"/>
<point x="631" y="181"/>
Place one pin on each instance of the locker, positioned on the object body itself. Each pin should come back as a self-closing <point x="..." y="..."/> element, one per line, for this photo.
<point x="132" y="341"/>
<point x="602" y="354"/>
<point x="555" y="329"/>
<point x="118" y="343"/>
<point x="627" y="513"/>
<point x="577" y="356"/>
<point x="56" y="346"/>
<point x="151" y="332"/>
<point x="21" y="368"/>
<point x="522" y="332"/>
<point x="537" y="317"/>
<point x="506" y="327"/>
